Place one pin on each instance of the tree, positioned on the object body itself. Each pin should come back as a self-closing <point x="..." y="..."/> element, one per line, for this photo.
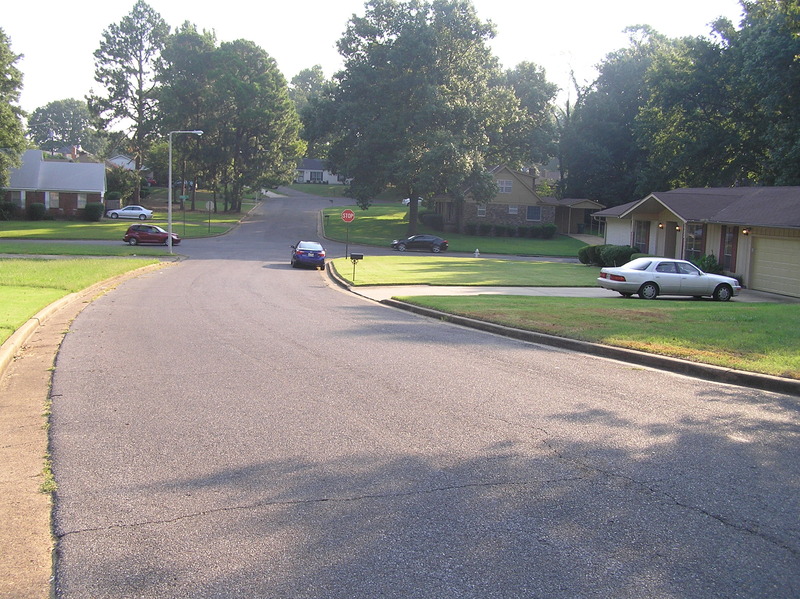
<point x="307" y="84"/>
<point x="253" y="128"/>
<point x="12" y="134"/>
<point x="418" y="107"/>
<point x="125" y="64"/>
<point x="603" y="156"/>
<point x="63" y="123"/>
<point x="536" y="96"/>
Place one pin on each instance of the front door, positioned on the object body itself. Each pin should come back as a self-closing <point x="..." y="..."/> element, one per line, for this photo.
<point x="670" y="238"/>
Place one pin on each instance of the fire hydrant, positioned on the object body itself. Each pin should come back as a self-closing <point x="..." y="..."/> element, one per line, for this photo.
<point x="477" y="253"/>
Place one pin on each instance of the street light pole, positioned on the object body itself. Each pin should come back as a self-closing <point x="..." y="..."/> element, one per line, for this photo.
<point x="169" y="183"/>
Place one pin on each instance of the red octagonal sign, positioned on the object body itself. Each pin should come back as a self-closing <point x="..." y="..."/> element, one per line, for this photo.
<point x="348" y="216"/>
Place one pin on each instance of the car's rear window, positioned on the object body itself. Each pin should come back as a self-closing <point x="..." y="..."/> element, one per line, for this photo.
<point x="309" y="246"/>
<point x="638" y="264"/>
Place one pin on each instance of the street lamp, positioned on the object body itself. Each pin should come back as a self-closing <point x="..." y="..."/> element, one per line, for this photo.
<point x="169" y="189"/>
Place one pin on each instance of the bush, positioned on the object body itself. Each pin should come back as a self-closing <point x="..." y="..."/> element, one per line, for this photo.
<point x="8" y="210"/>
<point x="484" y="229"/>
<point x="36" y="211"/>
<point x="616" y="255"/>
<point x="471" y="228"/>
<point x="548" y="231"/>
<point x="583" y="255"/>
<point x="593" y="254"/>
<point x="708" y="264"/>
<point x="93" y="212"/>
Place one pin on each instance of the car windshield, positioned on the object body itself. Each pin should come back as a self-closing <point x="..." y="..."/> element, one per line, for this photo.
<point x="158" y="229"/>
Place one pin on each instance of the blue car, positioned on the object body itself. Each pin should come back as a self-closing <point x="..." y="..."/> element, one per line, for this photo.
<point x="308" y="253"/>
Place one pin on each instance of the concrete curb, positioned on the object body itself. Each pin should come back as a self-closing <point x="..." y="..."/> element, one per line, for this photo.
<point x="702" y="371"/>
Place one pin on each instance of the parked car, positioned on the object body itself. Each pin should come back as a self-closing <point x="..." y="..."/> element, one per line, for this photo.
<point x="137" y="234"/>
<point x="308" y="253"/>
<point x="131" y="211"/>
<point x="430" y="243"/>
<point x="650" y="277"/>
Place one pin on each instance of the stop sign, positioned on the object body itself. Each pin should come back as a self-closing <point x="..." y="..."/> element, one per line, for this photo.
<point x="348" y="215"/>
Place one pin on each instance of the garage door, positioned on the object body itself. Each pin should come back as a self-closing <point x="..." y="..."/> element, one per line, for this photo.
<point x="776" y="266"/>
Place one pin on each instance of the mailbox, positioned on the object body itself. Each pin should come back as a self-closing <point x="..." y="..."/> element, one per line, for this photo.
<point x="356" y="257"/>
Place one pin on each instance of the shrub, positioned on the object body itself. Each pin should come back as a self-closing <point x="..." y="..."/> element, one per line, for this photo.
<point x="708" y="264"/>
<point x="617" y="255"/>
<point x="433" y="220"/>
<point x="484" y="229"/>
<point x="471" y="228"/>
<point x="93" y="212"/>
<point x="548" y="231"/>
<point x="583" y="255"/>
<point x="8" y="210"/>
<point x="593" y="254"/>
<point x="36" y="211"/>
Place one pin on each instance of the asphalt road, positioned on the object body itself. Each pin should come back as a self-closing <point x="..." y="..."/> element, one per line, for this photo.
<point x="231" y="427"/>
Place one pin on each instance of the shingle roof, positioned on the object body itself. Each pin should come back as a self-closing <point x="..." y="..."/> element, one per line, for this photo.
<point x="37" y="174"/>
<point x="753" y="206"/>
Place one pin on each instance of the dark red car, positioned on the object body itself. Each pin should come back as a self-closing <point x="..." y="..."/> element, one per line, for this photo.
<point x="137" y="234"/>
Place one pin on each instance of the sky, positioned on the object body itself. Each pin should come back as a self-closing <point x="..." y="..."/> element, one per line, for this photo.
<point x="58" y="38"/>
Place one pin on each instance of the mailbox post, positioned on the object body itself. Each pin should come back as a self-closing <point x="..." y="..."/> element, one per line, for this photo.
<point x="355" y="258"/>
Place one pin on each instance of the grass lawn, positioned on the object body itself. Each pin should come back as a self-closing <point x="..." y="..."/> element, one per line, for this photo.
<point x="188" y="224"/>
<point x="28" y="285"/>
<point x="751" y="337"/>
<point x="382" y="223"/>
<point x="435" y="269"/>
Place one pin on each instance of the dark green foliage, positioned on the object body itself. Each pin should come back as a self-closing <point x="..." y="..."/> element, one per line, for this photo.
<point x="433" y="220"/>
<point x="709" y="264"/>
<point x="8" y="210"/>
<point x="93" y="211"/>
<point x="484" y="229"/>
<point x="616" y="255"/>
<point x="36" y="211"/>
<point x="583" y="255"/>
<point x="471" y="228"/>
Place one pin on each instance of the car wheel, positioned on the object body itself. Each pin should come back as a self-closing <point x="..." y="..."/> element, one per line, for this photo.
<point x="294" y="264"/>
<point x="723" y="293"/>
<point x="133" y="241"/>
<point x="401" y="247"/>
<point x="648" y="291"/>
<point x="114" y="215"/>
<point x="436" y="249"/>
<point x="142" y="217"/>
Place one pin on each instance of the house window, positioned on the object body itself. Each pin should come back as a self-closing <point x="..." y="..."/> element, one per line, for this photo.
<point x="53" y="199"/>
<point x="81" y="200"/>
<point x="727" y="250"/>
<point x="316" y="176"/>
<point x="481" y="210"/>
<point x="513" y="209"/>
<point x="695" y="241"/>
<point x="16" y="199"/>
<point x="533" y="213"/>
<point x="504" y="185"/>
<point x="641" y="235"/>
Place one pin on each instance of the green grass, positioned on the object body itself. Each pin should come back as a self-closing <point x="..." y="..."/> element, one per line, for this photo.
<point x="189" y="224"/>
<point x="380" y="224"/>
<point x="428" y="269"/>
<point x="751" y="337"/>
<point x="55" y="248"/>
<point x="28" y="285"/>
<point x="325" y="191"/>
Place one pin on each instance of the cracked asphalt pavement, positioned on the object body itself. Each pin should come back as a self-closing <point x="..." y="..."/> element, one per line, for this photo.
<point x="232" y="427"/>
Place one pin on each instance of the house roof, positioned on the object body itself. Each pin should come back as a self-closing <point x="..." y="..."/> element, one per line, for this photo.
<point x="746" y="206"/>
<point x="312" y="164"/>
<point x="571" y="202"/>
<point x="37" y="174"/>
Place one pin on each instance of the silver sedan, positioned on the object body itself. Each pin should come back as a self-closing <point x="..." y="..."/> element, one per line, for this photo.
<point x="131" y="211"/>
<point x="651" y="277"/>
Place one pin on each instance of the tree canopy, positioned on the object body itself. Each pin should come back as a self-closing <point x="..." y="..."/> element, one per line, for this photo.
<point x="63" y="123"/>
<point x="12" y="133"/>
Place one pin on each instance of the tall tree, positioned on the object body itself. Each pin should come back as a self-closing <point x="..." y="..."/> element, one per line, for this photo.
<point x="125" y="65"/>
<point x="63" y="123"/>
<point x="254" y="134"/>
<point x="602" y="154"/>
<point x="12" y="133"/>
<point x="536" y="95"/>
<point x="307" y="84"/>
<point x="417" y="106"/>
<point x="185" y="100"/>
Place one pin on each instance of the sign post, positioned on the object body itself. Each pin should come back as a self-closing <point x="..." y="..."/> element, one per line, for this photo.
<point x="348" y="216"/>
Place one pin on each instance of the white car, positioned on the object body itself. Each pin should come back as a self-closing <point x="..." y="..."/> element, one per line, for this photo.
<point x="651" y="277"/>
<point x="132" y="211"/>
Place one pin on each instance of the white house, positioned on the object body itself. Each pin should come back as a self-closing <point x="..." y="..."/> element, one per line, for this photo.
<point x="312" y="170"/>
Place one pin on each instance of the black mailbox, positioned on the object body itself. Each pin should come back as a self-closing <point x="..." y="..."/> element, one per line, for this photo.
<point x="356" y="257"/>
